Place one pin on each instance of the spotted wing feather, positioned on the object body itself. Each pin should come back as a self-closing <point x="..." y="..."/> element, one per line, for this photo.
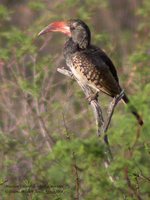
<point x="92" y="70"/>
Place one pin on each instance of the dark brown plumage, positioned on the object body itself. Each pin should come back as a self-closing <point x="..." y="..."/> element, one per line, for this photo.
<point x="88" y="63"/>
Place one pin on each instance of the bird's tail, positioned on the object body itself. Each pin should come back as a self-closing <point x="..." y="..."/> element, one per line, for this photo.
<point x="133" y="110"/>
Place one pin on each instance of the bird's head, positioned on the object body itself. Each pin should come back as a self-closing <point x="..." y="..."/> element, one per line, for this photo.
<point x="74" y="28"/>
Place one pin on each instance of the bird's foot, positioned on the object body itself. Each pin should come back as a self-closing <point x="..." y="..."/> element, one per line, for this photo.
<point x="92" y="97"/>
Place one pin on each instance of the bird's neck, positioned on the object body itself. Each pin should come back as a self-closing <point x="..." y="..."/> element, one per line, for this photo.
<point x="83" y="41"/>
<point x="70" y="47"/>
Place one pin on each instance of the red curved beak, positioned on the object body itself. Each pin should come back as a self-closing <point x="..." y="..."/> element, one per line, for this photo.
<point x="59" y="26"/>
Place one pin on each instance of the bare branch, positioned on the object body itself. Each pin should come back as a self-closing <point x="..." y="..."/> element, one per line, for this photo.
<point x="98" y="117"/>
<point x="77" y="180"/>
<point x="44" y="132"/>
<point x="132" y="190"/>
<point x="74" y="165"/>
<point x="111" y="108"/>
<point x="94" y="102"/>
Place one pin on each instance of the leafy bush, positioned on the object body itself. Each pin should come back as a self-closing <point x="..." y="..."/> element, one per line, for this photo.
<point x="47" y="131"/>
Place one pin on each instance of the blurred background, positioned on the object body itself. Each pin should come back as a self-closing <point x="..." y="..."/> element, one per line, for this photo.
<point x="47" y="128"/>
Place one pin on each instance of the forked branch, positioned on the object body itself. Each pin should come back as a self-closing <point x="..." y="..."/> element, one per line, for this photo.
<point x="94" y="102"/>
<point x="101" y="127"/>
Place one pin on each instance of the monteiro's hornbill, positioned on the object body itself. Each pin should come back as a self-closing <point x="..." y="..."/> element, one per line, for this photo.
<point x="88" y="63"/>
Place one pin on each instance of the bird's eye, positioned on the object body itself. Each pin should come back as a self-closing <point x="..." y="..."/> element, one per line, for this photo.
<point x="72" y="28"/>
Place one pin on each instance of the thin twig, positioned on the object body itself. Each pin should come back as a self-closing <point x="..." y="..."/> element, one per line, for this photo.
<point x="77" y="180"/>
<point x="44" y="132"/>
<point x="141" y="175"/>
<point x="74" y="165"/>
<point x="111" y="109"/>
<point x="132" y="189"/>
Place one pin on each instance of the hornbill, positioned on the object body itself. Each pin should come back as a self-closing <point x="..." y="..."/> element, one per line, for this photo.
<point x="88" y="63"/>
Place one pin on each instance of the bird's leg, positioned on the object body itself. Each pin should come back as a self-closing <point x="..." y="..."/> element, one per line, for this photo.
<point x="93" y="96"/>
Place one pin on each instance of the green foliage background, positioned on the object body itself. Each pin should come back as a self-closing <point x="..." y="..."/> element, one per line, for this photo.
<point x="47" y="130"/>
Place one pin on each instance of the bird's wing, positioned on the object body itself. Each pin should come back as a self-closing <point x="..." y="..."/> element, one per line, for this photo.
<point x="99" y="54"/>
<point x="109" y="84"/>
<point x="96" y="71"/>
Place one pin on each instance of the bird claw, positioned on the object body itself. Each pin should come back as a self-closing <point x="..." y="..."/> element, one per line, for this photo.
<point x="92" y="97"/>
